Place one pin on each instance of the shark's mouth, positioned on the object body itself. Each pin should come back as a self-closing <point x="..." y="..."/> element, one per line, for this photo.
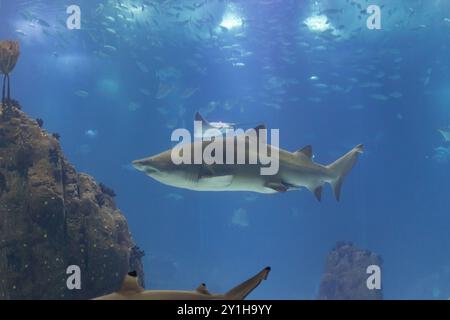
<point x="144" y="166"/>
<point x="151" y="170"/>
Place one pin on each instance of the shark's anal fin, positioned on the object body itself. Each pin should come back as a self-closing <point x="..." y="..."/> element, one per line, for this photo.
<point x="202" y="289"/>
<point x="277" y="186"/>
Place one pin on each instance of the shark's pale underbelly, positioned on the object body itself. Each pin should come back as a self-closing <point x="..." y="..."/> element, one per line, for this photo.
<point x="225" y="183"/>
<point x="232" y="183"/>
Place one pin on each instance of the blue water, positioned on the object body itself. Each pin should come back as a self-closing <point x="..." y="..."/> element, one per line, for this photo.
<point x="388" y="89"/>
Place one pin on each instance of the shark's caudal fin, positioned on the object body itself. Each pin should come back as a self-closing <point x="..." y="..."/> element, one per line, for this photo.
<point x="342" y="166"/>
<point x="245" y="288"/>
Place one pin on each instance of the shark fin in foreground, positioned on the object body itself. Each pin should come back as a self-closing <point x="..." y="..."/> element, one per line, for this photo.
<point x="241" y="291"/>
<point x="210" y="129"/>
<point x="131" y="290"/>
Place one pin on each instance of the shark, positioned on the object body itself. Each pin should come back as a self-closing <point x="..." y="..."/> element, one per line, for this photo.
<point x="445" y="132"/>
<point x="204" y="130"/>
<point x="131" y="290"/>
<point x="296" y="170"/>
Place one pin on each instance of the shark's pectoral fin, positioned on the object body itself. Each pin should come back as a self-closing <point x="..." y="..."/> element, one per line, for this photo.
<point x="206" y="171"/>
<point x="202" y="289"/>
<point x="213" y="178"/>
<point x="216" y="181"/>
<point x="277" y="186"/>
<point x="281" y="186"/>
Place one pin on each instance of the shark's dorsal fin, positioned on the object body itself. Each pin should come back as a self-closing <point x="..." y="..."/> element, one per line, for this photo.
<point x="259" y="127"/>
<point x="130" y="284"/>
<point x="199" y="117"/>
<point x="202" y="289"/>
<point x="306" y="151"/>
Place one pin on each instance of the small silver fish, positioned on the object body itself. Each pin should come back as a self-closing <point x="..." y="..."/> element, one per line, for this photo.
<point x="206" y="132"/>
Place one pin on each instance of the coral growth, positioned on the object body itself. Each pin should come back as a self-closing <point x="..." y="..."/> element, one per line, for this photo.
<point x="100" y="198"/>
<point x="53" y="156"/>
<point x="3" y="186"/>
<point x="107" y="190"/>
<point x="23" y="160"/>
<point x="40" y="122"/>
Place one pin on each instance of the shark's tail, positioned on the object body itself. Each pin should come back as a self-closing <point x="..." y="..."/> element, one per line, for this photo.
<point x="245" y="288"/>
<point x="339" y="169"/>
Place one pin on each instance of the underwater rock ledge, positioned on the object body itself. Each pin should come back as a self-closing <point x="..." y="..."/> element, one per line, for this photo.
<point x="52" y="217"/>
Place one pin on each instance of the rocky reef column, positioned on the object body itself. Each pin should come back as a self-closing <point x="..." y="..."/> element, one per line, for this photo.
<point x="345" y="276"/>
<point x="52" y="217"/>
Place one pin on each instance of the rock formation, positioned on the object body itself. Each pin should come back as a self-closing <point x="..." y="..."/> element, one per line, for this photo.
<point x="52" y="217"/>
<point x="345" y="276"/>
